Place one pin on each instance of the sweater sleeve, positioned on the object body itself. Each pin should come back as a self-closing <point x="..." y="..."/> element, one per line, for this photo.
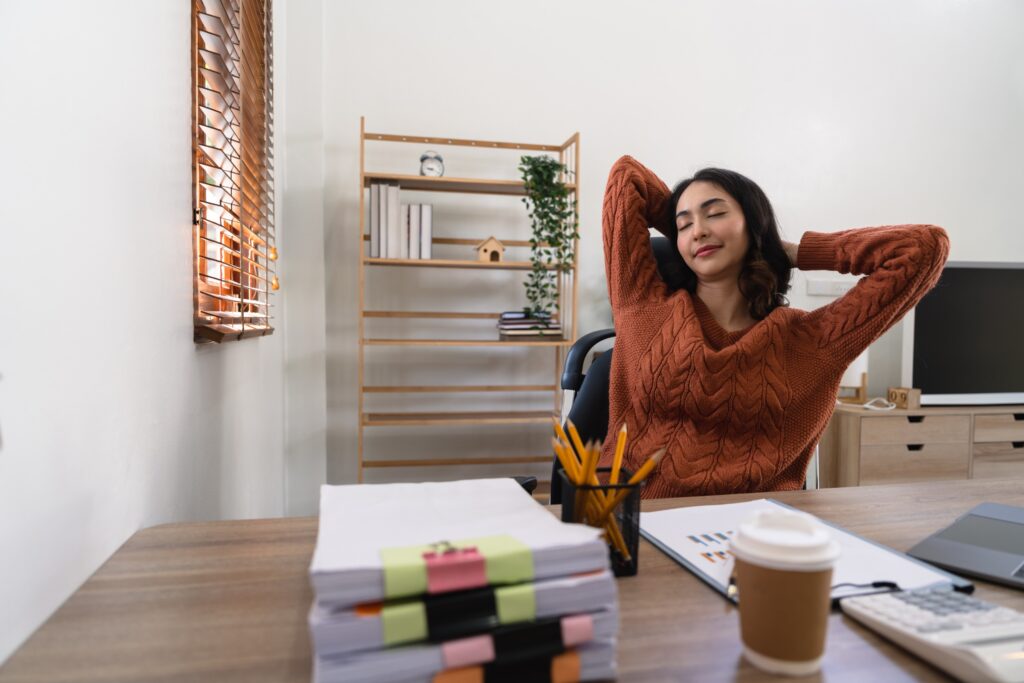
<point x="634" y="199"/>
<point x="901" y="263"/>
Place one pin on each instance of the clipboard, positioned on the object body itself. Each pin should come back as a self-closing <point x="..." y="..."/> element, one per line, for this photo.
<point x="697" y="538"/>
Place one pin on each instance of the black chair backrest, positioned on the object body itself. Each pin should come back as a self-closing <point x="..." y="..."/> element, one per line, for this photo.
<point x="670" y="263"/>
<point x="589" y="410"/>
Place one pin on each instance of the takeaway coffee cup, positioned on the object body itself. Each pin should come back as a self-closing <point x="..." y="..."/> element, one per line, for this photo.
<point x="783" y="572"/>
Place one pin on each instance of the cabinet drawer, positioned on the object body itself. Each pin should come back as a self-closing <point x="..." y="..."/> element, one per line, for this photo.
<point x="891" y="463"/>
<point x="998" y="460"/>
<point x="916" y="429"/>
<point x="1004" y="427"/>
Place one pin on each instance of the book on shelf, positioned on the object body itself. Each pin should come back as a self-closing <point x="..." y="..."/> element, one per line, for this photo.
<point x="526" y="335"/>
<point x="414" y="230"/>
<point x="374" y="220"/>
<point x="521" y="315"/>
<point x="528" y="325"/>
<point x="398" y="230"/>
<point x="394" y="211"/>
<point x="403" y="248"/>
<point x="426" y="231"/>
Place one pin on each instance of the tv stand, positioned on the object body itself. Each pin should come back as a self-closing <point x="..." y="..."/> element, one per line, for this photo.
<point x="863" y="446"/>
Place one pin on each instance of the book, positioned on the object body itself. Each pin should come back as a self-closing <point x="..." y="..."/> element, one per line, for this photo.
<point x="361" y="524"/>
<point x="530" y="333"/>
<point x="529" y="324"/>
<point x="414" y="231"/>
<point x="403" y="245"/>
<point x="374" y="220"/>
<point x="394" y="222"/>
<point x="382" y="219"/>
<point x="456" y="615"/>
<point x="697" y="538"/>
<point x="426" y="231"/>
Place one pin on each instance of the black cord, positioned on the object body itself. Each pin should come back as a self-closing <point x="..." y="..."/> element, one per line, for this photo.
<point x="891" y="585"/>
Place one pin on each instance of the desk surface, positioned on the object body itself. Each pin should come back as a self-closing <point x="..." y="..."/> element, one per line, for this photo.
<point x="227" y="601"/>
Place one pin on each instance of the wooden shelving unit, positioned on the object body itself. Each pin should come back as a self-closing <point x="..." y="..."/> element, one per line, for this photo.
<point x="568" y="154"/>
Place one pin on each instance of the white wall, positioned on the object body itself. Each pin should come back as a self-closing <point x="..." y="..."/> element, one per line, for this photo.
<point x="111" y="418"/>
<point x="301" y="239"/>
<point x="847" y="114"/>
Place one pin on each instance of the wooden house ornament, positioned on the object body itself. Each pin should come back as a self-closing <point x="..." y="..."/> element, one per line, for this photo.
<point x="490" y="250"/>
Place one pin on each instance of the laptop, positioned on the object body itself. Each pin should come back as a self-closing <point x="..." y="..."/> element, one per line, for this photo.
<point x="986" y="542"/>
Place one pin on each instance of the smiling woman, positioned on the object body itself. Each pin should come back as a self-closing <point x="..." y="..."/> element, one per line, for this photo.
<point x="721" y="372"/>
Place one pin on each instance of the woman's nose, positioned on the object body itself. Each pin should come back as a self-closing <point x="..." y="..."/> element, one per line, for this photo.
<point x="700" y="229"/>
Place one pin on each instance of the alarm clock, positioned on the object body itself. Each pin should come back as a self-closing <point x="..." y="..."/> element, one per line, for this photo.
<point x="431" y="164"/>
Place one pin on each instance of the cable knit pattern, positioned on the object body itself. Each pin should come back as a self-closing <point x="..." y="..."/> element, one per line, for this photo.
<point x="740" y="411"/>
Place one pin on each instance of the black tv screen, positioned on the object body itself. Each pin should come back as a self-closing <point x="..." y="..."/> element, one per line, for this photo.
<point x="968" y="337"/>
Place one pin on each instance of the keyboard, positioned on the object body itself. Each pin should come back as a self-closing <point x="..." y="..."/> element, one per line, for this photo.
<point x="970" y="639"/>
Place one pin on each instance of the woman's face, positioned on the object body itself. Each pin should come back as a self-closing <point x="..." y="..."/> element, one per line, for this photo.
<point x="713" y="238"/>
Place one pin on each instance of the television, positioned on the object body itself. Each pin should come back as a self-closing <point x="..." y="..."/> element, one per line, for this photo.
<point x="964" y="342"/>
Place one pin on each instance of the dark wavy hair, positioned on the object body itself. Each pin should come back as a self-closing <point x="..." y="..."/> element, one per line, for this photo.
<point x="764" y="278"/>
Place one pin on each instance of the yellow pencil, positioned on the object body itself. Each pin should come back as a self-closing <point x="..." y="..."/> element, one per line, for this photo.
<point x="577" y="456"/>
<point x="646" y="468"/>
<point x="640" y="475"/>
<point x="577" y="442"/>
<point x="592" y="504"/>
<point x="620" y="447"/>
<point x="568" y="462"/>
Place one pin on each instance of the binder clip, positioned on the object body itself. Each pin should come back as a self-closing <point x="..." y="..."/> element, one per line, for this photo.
<point x="451" y="569"/>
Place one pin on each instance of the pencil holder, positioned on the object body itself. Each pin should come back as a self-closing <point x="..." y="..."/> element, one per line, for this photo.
<point x="612" y="507"/>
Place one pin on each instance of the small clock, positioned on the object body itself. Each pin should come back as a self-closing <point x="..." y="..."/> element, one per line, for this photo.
<point x="431" y="164"/>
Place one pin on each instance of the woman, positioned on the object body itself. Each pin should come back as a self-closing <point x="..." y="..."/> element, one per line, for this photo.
<point x="737" y="386"/>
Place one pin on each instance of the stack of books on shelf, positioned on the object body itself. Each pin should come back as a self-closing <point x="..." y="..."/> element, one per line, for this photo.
<point x="457" y="582"/>
<point x="523" y="326"/>
<point x="398" y="230"/>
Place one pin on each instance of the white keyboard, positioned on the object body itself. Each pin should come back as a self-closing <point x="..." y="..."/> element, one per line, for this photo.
<point x="968" y="638"/>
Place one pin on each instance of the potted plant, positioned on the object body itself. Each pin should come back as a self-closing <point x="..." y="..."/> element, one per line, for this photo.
<point x="555" y="223"/>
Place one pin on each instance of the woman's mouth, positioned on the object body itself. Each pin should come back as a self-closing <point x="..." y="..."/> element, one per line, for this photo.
<point x="707" y="251"/>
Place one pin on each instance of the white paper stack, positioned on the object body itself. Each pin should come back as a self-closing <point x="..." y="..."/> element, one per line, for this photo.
<point x="432" y="581"/>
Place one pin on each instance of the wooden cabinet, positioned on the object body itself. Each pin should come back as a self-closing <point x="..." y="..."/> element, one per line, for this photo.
<point x="927" y="444"/>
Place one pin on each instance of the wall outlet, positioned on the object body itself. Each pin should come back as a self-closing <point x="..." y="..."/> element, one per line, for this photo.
<point x="818" y="287"/>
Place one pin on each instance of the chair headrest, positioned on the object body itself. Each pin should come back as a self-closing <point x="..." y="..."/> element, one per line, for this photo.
<point x="670" y="263"/>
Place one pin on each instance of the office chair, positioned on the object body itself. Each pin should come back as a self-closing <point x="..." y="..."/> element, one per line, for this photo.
<point x="589" y="408"/>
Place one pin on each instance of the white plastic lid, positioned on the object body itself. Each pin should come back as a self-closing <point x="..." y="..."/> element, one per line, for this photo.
<point x="785" y="539"/>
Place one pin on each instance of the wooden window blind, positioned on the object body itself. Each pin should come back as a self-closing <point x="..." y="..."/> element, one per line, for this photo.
<point x="233" y="170"/>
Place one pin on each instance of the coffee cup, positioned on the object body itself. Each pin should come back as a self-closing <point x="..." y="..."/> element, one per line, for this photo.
<point x="783" y="573"/>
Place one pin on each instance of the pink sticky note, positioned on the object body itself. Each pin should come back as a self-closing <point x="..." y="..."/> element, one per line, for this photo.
<point x="467" y="651"/>
<point x="455" y="569"/>
<point x="577" y="629"/>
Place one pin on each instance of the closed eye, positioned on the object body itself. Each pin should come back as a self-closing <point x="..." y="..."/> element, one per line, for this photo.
<point x="710" y="215"/>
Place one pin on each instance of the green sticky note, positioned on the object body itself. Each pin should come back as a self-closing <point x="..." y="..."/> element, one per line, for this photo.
<point x="516" y="603"/>
<point x="507" y="560"/>
<point x="404" y="622"/>
<point x="405" y="571"/>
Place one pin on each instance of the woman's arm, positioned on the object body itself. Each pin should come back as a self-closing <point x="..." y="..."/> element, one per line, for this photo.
<point x="634" y="199"/>
<point x="901" y="263"/>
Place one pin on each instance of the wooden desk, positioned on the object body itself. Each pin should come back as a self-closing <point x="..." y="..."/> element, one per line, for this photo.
<point x="227" y="601"/>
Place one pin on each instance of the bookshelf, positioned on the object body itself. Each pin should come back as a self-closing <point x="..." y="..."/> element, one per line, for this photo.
<point x="455" y="308"/>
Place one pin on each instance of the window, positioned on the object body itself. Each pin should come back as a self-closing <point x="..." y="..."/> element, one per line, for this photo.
<point x="233" y="175"/>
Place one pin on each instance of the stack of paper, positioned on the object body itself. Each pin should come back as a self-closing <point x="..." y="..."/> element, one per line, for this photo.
<point x="468" y="580"/>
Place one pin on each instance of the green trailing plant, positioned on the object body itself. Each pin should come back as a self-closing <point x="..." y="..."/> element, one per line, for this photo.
<point x="554" y="221"/>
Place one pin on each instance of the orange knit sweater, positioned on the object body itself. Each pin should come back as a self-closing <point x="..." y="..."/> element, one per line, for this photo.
<point x="740" y="411"/>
